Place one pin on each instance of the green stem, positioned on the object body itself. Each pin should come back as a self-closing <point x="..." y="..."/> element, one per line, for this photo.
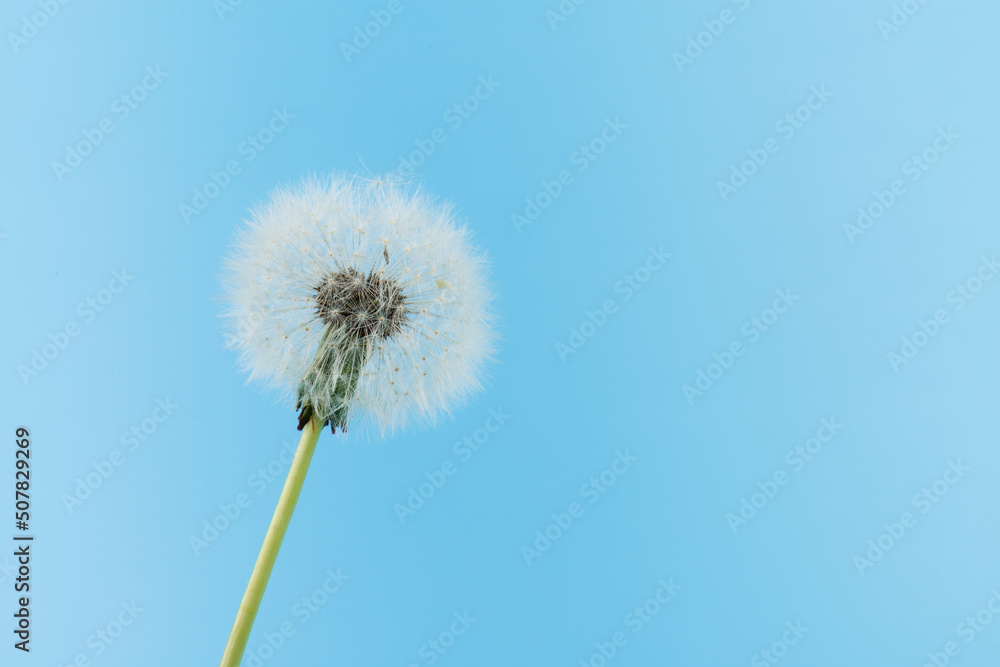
<point x="272" y="543"/>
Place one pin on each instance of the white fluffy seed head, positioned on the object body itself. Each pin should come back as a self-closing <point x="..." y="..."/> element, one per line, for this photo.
<point x="334" y="271"/>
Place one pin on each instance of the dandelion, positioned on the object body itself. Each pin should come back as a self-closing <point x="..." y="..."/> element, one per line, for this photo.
<point x="364" y="304"/>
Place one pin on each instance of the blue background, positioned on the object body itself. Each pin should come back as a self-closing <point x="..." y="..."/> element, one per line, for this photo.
<point x="655" y="185"/>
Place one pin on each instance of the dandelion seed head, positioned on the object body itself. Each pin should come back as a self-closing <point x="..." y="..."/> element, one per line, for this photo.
<point x="361" y="298"/>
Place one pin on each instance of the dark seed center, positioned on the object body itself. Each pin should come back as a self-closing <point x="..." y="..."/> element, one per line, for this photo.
<point x="371" y="305"/>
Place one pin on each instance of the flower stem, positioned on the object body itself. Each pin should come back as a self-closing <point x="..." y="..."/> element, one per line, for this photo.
<point x="272" y="543"/>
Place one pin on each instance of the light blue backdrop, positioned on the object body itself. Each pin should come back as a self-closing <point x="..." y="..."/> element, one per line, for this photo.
<point x="740" y="138"/>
